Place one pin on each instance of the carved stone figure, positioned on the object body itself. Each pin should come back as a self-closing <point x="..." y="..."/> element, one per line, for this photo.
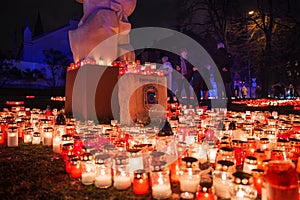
<point x="101" y="20"/>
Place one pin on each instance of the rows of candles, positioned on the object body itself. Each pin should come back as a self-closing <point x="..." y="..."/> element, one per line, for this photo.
<point x="210" y="154"/>
<point x="124" y="67"/>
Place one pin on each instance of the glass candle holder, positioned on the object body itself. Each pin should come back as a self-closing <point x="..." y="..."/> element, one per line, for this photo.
<point x="264" y="144"/>
<point x="27" y="138"/>
<point x="249" y="164"/>
<point x="239" y="148"/>
<point x="88" y="171"/>
<point x="222" y="178"/>
<point x="135" y="160"/>
<point x="161" y="187"/>
<point x="294" y="153"/>
<point x="12" y="137"/>
<point x="189" y="179"/>
<point x="68" y="165"/>
<point x="205" y="192"/>
<point x="103" y="171"/>
<point x="281" y="180"/>
<point x="67" y="149"/>
<point x="140" y="182"/>
<point x="48" y="134"/>
<point x="56" y="144"/>
<point x="251" y="146"/>
<point x="226" y="153"/>
<point x="258" y="179"/>
<point x="75" y="168"/>
<point x="260" y="156"/>
<point x="65" y="139"/>
<point x="2" y="141"/>
<point x="243" y="187"/>
<point x="36" y="139"/>
<point x="122" y="180"/>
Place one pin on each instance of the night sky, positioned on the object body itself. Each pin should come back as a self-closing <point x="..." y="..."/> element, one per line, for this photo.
<point x="57" y="13"/>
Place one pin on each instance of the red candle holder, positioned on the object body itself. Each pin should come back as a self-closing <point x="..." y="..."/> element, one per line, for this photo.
<point x="75" y="168"/>
<point x="140" y="182"/>
<point x="2" y="141"/>
<point x="258" y="178"/>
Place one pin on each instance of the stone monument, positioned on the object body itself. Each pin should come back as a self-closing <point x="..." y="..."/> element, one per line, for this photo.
<point x="103" y="19"/>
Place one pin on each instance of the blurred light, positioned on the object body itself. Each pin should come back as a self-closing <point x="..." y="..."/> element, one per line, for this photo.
<point x="251" y="12"/>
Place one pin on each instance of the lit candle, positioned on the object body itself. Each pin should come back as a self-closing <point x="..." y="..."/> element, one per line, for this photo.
<point x="27" y="138"/>
<point x="36" y="138"/>
<point x="103" y="181"/>
<point x="87" y="178"/>
<point x="258" y="178"/>
<point x="1" y="138"/>
<point x="56" y="144"/>
<point x="189" y="180"/>
<point x="122" y="182"/>
<point x="47" y="138"/>
<point x="140" y="182"/>
<point x="187" y="196"/>
<point x="161" y="191"/>
<point x="76" y="168"/>
<point x="12" y="139"/>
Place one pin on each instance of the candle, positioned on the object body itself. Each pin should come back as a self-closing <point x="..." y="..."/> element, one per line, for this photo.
<point x="140" y="182"/>
<point x="76" y="168"/>
<point x="161" y="191"/>
<point x="12" y="140"/>
<point x="56" y="146"/>
<point x="27" y="138"/>
<point x="1" y="138"/>
<point x="205" y="195"/>
<point x="189" y="184"/>
<point x="103" y="181"/>
<point x="187" y="196"/>
<point x="122" y="182"/>
<point x="47" y="139"/>
<point x="258" y="178"/>
<point x="87" y="178"/>
<point x="36" y="138"/>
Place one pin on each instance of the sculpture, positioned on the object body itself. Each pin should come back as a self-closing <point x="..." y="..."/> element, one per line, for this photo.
<point x="101" y="20"/>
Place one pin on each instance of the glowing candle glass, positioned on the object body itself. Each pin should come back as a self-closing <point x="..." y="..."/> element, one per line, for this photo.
<point x="140" y="182"/>
<point x="12" y="137"/>
<point x="161" y="187"/>
<point x="88" y="172"/>
<point x="103" y="171"/>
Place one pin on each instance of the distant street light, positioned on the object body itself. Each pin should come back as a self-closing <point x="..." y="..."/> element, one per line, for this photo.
<point x="249" y="52"/>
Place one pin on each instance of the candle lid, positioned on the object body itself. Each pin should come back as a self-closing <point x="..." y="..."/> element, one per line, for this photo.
<point x="281" y="140"/>
<point x="205" y="187"/>
<point x="294" y="141"/>
<point x="158" y="166"/>
<point x="66" y="137"/>
<point x="36" y="134"/>
<point x="225" y="165"/>
<point x="255" y="172"/>
<point x="86" y="157"/>
<point x="189" y="161"/>
<point x="48" y="129"/>
<point x="242" y="178"/>
<point x="45" y="121"/>
<point x="12" y="129"/>
<point x="251" y="160"/>
<point x="140" y="173"/>
<point x="121" y="160"/>
<point x="109" y="147"/>
<point x="101" y="159"/>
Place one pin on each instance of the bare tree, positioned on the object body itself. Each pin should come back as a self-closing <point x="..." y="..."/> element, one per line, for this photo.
<point x="56" y="60"/>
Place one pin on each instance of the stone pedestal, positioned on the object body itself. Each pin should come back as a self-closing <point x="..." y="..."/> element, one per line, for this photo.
<point x="91" y="93"/>
<point x="141" y="97"/>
